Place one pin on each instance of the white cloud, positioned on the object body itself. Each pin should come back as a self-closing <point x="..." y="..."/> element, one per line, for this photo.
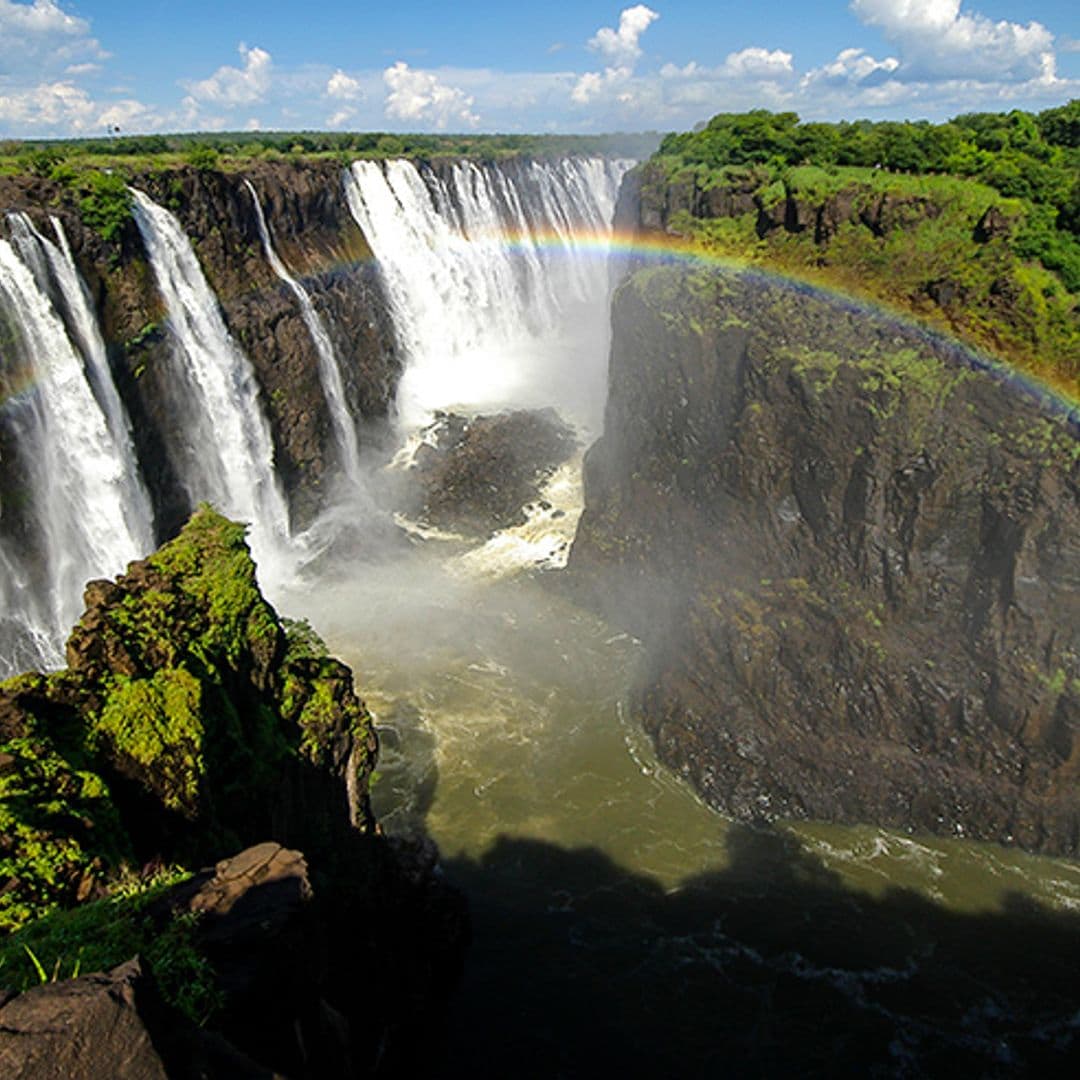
<point x="343" y="86"/>
<point x="340" y="118"/>
<point x="41" y="37"/>
<point x="851" y="68"/>
<point x="758" y="63"/>
<point x="48" y="105"/>
<point x="937" y="41"/>
<point x="62" y="108"/>
<point x="622" y="49"/>
<point x="418" y="95"/>
<point x="237" y="86"/>
<point x="621" y="46"/>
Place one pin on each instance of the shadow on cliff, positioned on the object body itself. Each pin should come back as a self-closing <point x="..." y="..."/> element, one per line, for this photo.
<point x="768" y="967"/>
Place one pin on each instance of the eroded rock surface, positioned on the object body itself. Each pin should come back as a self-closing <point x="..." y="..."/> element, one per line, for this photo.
<point x="476" y="476"/>
<point x="854" y="560"/>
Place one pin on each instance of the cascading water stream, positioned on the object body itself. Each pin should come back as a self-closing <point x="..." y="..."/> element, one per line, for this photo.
<point x="498" y="284"/>
<point x="232" y="464"/>
<point x="90" y="511"/>
<point x="329" y="367"/>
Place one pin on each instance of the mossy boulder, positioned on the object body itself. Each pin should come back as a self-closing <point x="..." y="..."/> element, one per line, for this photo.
<point x="189" y="720"/>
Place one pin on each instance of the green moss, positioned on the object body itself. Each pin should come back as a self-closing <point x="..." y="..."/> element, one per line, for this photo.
<point x="157" y="723"/>
<point x="59" y="830"/>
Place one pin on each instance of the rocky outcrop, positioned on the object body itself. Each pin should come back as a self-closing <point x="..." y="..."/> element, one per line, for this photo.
<point x="323" y="248"/>
<point x="188" y="718"/>
<point x="110" y="1024"/>
<point x="189" y="722"/>
<point x="278" y="970"/>
<point x="852" y="555"/>
<point x="476" y="476"/>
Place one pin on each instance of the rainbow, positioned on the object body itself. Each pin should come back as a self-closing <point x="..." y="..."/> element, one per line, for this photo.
<point x="662" y="249"/>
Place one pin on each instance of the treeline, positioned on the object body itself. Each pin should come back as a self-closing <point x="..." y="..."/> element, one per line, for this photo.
<point x="1034" y="157"/>
<point x="253" y="144"/>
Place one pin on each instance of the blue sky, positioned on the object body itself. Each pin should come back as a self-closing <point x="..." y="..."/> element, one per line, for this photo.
<point x="82" y="67"/>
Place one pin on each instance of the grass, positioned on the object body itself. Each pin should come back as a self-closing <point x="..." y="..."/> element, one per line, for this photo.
<point x="100" y="935"/>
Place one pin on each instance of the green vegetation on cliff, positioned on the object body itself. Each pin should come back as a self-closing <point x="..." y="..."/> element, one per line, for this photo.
<point x="99" y="935"/>
<point x="971" y="225"/>
<point x="229" y="150"/>
<point x="184" y="725"/>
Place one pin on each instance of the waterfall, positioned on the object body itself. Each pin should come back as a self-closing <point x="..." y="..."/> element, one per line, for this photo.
<point x="329" y="368"/>
<point x="498" y="279"/>
<point x="232" y="460"/>
<point x="88" y="509"/>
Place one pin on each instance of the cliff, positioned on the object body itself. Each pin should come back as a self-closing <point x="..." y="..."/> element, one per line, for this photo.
<point x="852" y="556"/>
<point x="190" y="722"/>
<point x="953" y="251"/>
<point x="318" y="241"/>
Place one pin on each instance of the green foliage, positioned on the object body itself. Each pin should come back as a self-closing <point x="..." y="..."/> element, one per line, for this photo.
<point x="106" y="203"/>
<point x="157" y="723"/>
<point x="302" y="640"/>
<point x="204" y="158"/>
<point x="99" y="935"/>
<point x="236" y="148"/>
<point x="59" y="831"/>
<point x="890" y="210"/>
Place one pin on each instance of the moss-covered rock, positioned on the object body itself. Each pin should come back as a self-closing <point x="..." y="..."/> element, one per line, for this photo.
<point x="187" y="722"/>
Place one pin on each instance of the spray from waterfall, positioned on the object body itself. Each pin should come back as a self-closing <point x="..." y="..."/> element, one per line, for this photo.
<point x="329" y="366"/>
<point x="494" y="300"/>
<point x="87" y="507"/>
<point x="231" y="459"/>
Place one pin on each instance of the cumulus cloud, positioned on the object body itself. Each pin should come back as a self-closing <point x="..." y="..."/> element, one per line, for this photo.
<point x="41" y="37"/>
<point x="757" y="63"/>
<point x="937" y="40"/>
<point x="62" y="107"/>
<point x="622" y="49"/>
<point x="852" y="67"/>
<point x="237" y="86"/>
<point x="343" y="87"/>
<point x="621" y="46"/>
<point x="340" y="118"/>
<point x="419" y="95"/>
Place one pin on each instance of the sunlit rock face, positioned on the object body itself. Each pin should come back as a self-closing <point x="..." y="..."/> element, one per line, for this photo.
<point x="853" y="555"/>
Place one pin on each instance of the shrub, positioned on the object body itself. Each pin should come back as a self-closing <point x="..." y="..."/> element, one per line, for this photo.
<point x="106" y="206"/>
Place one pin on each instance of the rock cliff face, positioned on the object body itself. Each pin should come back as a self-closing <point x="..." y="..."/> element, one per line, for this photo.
<point x="853" y="557"/>
<point x="319" y="242"/>
<point x="192" y="721"/>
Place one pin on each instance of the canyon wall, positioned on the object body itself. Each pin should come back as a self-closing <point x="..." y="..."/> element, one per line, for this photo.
<point x="852" y="554"/>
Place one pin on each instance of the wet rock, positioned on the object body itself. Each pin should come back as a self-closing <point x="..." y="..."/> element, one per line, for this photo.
<point x="110" y="1025"/>
<point x="852" y="556"/>
<point x="476" y="476"/>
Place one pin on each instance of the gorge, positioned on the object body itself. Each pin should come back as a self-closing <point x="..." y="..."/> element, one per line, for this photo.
<point x="817" y="543"/>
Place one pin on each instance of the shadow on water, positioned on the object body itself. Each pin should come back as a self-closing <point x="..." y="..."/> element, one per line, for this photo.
<point x="769" y="967"/>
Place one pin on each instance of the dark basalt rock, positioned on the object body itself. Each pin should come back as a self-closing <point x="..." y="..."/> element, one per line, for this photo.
<point x="476" y="476"/>
<point x="852" y="556"/>
<point x="113" y="1025"/>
